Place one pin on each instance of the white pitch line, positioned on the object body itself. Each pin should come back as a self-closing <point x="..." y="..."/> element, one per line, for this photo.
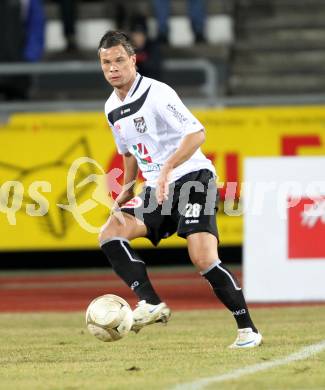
<point x="304" y="353"/>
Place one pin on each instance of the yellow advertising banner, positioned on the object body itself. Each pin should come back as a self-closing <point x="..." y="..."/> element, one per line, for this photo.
<point x="41" y="152"/>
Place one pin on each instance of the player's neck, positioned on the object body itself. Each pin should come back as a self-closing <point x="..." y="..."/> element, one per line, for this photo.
<point x="124" y="90"/>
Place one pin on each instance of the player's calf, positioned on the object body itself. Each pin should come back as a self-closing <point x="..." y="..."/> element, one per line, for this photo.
<point x="227" y="289"/>
<point x="130" y="268"/>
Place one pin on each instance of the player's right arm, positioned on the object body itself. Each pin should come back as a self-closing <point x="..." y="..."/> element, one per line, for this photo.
<point x="129" y="179"/>
<point x="130" y="166"/>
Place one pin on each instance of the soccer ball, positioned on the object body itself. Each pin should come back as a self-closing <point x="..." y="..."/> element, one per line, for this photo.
<point x="109" y="318"/>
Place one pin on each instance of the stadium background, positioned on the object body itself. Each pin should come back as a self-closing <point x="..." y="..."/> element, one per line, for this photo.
<point x="256" y="81"/>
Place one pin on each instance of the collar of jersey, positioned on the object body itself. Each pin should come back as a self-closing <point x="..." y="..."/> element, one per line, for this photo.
<point x="127" y="97"/>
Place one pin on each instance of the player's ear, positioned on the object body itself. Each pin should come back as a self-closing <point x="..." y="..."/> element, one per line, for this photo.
<point x="134" y="59"/>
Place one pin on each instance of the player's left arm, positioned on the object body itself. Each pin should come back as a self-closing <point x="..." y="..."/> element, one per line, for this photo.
<point x="188" y="146"/>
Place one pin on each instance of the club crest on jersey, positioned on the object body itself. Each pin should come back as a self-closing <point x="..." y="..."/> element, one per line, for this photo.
<point x="140" y="124"/>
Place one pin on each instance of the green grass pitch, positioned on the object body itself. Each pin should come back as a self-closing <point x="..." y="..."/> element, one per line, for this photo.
<point x="54" y="351"/>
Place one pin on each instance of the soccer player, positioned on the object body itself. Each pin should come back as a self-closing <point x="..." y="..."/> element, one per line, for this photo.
<point x="157" y="134"/>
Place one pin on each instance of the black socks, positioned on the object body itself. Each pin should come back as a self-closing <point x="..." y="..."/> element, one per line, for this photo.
<point x="227" y="289"/>
<point x="130" y="268"/>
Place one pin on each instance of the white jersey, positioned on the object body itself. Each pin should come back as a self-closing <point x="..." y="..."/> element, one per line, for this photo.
<point x="150" y="123"/>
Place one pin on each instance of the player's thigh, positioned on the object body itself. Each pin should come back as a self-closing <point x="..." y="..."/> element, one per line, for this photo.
<point x="122" y="225"/>
<point x="202" y="249"/>
<point x="144" y="207"/>
<point x="197" y="206"/>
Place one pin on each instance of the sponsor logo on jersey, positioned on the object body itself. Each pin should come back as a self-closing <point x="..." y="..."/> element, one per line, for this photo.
<point x="306" y="229"/>
<point x="152" y="167"/>
<point x="142" y="154"/>
<point x="140" y="125"/>
<point x="125" y="111"/>
<point x="144" y="159"/>
<point x="178" y="115"/>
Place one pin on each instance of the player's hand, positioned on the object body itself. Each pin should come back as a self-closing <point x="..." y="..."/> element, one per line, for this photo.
<point x="123" y="198"/>
<point x="162" y="188"/>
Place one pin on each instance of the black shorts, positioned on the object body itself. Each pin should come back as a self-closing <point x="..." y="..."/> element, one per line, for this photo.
<point x="191" y="207"/>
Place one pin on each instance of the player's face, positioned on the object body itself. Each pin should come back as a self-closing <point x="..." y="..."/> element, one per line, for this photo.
<point x="118" y="67"/>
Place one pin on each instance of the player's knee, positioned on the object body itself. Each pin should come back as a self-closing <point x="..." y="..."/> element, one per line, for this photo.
<point x="111" y="229"/>
<point x="201" y="261"/>
<point x="105" y="233"/>
<point x="202" y="258"/>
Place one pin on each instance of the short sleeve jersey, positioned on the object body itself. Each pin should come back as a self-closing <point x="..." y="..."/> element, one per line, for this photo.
<point x="150" y="123"/>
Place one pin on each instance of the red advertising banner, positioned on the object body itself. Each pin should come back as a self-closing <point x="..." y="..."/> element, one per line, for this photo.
<point x="306" y="229"/>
